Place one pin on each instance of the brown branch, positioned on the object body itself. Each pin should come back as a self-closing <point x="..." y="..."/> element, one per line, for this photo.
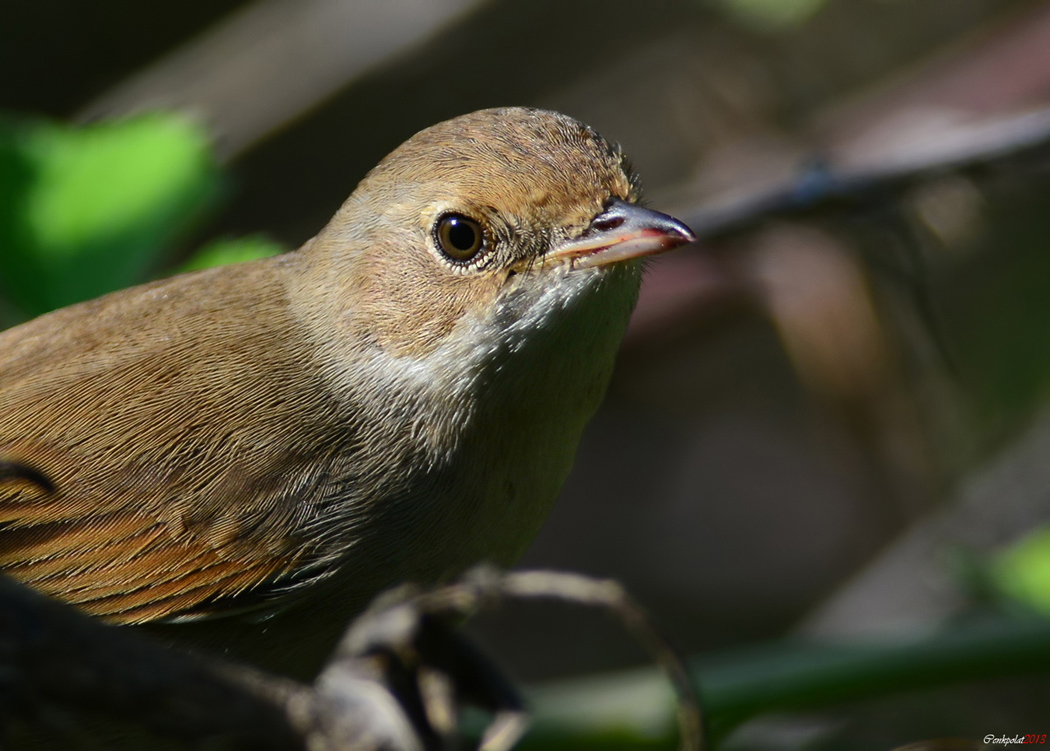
<point x="821" y="182"/>
<point x="275" y="60"/>
<point x="54" y="658"/>
<point x="394" y="683"/>
<point x="485" y="587"/>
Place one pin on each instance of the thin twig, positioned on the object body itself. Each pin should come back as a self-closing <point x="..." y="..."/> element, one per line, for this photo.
<point x="822" y="182"/>
<point x="485" y="588"/>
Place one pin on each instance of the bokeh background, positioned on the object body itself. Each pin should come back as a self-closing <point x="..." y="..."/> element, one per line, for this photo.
<point x="826" y="428"/>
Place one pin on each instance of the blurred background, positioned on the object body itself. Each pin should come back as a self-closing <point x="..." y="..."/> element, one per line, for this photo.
<point x="828" y="424"/>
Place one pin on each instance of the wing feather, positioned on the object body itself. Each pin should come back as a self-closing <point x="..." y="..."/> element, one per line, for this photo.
<point x="159" y="454"/>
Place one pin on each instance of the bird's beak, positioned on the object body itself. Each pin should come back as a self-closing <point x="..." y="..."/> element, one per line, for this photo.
<point x="623" y="231"/>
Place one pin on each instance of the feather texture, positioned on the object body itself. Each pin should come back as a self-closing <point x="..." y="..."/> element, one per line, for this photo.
<point x="161" y="470"/>
<point x="311" y="428"/>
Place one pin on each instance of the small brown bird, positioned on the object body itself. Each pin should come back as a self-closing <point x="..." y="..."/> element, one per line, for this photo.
<point x="397" y="400"/>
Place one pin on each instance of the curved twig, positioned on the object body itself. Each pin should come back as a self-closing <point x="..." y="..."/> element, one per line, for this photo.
<point x="484" y="587"/>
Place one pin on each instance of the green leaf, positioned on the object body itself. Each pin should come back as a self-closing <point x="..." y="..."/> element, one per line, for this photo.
<point x="1023" y="570"/>
<point x="773" y="15"/>
<point x="84" y="211"/>
<point x="224" y="252"/>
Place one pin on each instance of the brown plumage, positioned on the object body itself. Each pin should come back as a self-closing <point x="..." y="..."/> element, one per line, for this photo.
<point x="385" y="403"/>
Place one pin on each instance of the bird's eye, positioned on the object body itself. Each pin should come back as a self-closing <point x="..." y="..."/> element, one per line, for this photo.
<point x="459" y="237"/>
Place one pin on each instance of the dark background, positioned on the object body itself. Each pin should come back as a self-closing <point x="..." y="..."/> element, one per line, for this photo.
<point x="787" y="415"/>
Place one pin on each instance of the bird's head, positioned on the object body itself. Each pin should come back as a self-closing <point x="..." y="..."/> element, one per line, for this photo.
<point x="502" y="216"/>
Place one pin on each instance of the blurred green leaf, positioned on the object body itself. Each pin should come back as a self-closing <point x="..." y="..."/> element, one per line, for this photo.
<point x="84" y="211"/>
<point x="772" y="15"/>
<point x="225" y="252"/>
<point x="1023" y="570"/>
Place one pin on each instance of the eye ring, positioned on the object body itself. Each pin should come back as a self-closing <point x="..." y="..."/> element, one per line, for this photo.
<point x="459" y="237"/>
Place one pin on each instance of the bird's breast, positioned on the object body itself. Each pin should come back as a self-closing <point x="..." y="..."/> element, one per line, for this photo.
<point x="491" y="420"/>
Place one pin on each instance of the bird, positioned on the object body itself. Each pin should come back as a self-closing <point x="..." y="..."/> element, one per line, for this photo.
<point x="258" y="449"/>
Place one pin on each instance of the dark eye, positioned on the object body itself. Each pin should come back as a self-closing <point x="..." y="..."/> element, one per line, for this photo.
<point x="459" y="237"/>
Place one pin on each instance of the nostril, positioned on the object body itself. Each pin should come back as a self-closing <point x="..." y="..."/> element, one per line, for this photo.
<point x="606" y="223"/>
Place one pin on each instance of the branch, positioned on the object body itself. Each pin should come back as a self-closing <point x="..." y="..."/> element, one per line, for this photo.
<point x="395" y="683"/>
<point x="54" y="658"/>
<point x="880" y="170"/>
<point x="275" y="60"/>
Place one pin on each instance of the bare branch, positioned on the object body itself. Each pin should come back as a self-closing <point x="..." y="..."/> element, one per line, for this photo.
<point x="883" y="169"/>
<point x="275" y="60"/>
<point x="395" y="682"/>
<point x="52" y="657"/>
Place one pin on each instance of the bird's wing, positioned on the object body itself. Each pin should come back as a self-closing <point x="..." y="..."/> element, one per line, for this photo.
<point x="128" y="565"/>
<point x="156" y="448"/>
